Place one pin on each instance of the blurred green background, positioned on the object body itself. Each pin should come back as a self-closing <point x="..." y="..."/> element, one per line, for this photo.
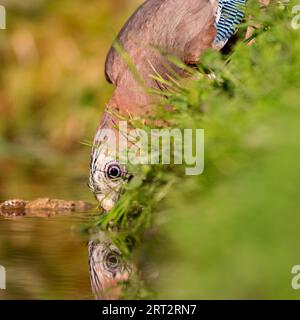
<point x="233" y="233"/>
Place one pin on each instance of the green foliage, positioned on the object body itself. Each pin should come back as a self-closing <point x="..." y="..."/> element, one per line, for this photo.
<point x="233" y="231"/>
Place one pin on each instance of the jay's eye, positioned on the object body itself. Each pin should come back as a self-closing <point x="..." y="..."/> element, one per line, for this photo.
<point x="114" y="171"/>
<point x="113" y="262"/>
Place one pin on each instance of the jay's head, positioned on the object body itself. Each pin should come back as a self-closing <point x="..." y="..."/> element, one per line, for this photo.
<point x="107" y="174"/>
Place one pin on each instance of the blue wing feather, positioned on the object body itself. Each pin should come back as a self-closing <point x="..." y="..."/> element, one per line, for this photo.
<point x="230" y="15"/>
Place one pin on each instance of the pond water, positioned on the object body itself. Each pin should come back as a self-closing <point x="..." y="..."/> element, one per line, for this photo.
<point x="45" y="257"/>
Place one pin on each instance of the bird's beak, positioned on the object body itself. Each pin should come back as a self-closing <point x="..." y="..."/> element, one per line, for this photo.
<point x="128" y="177"/>
<point x="107" y="202"/>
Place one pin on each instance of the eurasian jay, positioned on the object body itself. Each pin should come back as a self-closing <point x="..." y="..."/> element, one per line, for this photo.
<point x="180" y="28"/>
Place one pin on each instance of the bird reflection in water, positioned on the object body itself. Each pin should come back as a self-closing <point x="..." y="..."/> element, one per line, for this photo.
<point x="108" y="268"/>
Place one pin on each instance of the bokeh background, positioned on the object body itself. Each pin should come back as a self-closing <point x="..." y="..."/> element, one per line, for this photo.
<point x="52" y="93"/>
<point x="232" y="232"/>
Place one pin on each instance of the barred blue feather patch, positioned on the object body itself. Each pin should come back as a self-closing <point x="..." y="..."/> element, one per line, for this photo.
<point x="230" y="15"/>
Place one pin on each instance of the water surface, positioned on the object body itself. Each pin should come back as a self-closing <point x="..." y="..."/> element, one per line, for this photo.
<point x="45" y="257"/>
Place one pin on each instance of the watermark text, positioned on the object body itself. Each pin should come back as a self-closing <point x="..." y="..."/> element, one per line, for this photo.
<point x="157" y="146"/>
<point x="2" y="17"/>
<point x="2" y="278"/>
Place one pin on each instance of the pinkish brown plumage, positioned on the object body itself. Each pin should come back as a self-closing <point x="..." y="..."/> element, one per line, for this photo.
<point x="184" y="29"/>
<point x="180" y="28"/>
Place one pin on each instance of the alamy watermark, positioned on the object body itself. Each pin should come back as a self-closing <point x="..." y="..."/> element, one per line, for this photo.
<point x="295" y="23"/>
<point x="2" y="17"/>
<point x="155" y="146"/>
<point x="2" y="278"/>
<point x="296" y="279"/>
<point x="296" y="19"/>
